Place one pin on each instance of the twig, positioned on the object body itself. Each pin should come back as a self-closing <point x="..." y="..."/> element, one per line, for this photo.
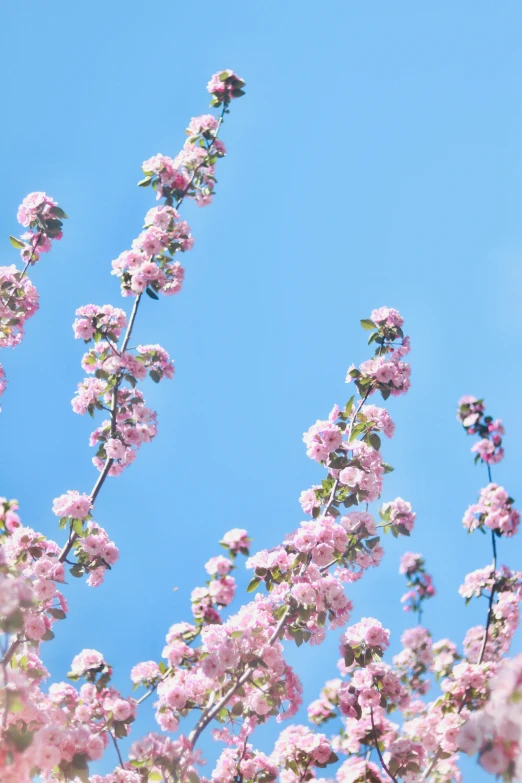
<point x="383" y="763"/>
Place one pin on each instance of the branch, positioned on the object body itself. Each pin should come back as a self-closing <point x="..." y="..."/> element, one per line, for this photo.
<point x="491" y="597"/>
<point x="383" y="763"/>
<point x="209" y="715"/>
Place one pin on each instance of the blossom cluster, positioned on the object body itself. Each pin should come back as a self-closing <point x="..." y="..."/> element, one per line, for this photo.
<point x="420" y="583"/>
<point x="348" y="442"/>
<point x="489" y="448"/>
<point x="415" y="661"/>
<point x="149" y="265"/>
<point x="224" y="87"/>
<point x="495" y="731"/>
<point x="43" y="217"/>
<point x="18" y="296"/>
<point x="386" y="371"/>
<point x="233" y="670"/>
<point x="56" y="735"/>
<point x="494" y="511"/>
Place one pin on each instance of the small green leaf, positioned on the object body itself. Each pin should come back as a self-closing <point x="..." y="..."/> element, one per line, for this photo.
<point x="151" y="293"/>
<point x="77" y="526"/>
<point x="367" y="323"/>
<point x="48" y="635"/>
<point x="16" y="243"/>
<point x="155" y="375"/>
<point x="253" y="584"/>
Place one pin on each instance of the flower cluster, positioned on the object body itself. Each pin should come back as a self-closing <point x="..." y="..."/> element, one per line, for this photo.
<point x="364" y="642"/>
<point x="18" y="303"/>
<point x="18" y="296"/>
<point x="495" y="731"/>
<point x="494" y="511"/>
<point x="415" y="660"/>
<point x="42" y="215"/>
<point x="489" y="448"/>
<point x="99" y="323"/>
<point x="245" y="764"/>
<point x="150" y="266"/>
<point x="224" y="86"/>
<point x="61" y="729"/>
<point x="386" y="372"/>
<point x="398" y="517"/>
<point x="220" y="589"/>
<point x="357" y="770"/>
<point x="420" y="584"/>
<point x="94" y="551"/>
<point x="299" y="750"/>
<point x="233" y="669"/>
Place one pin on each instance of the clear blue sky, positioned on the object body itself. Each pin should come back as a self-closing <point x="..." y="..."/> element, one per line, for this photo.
<point x="376" y="159"/>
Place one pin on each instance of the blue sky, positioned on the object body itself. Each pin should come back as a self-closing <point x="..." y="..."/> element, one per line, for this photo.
<point x="376" y="159"/>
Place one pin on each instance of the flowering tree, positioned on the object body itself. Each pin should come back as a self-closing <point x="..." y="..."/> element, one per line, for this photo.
<point x="225" y="671"/>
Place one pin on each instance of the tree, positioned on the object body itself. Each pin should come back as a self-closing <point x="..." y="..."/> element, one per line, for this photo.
<point x="227" y="672"/>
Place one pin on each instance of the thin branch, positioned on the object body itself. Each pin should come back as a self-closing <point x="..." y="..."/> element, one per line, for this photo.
<point x="117" y="749"/>
<point x="383" y="763"/>
<point x="490" y="602"/>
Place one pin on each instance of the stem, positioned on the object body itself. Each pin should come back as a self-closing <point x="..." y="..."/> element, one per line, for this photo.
<point x="349" y="433"/>
<point x="492" y="594"/>
<point x="490" y="602"/>
<point x="209" y="715"/>
<point x="130" y="326"/>
<point x="11" y="651"/>
<point x="117" y="749"/>
<point x="436" y="757"/>
<point x="73" y="537"/>
<point x="383" y="763"/>
<point x="27" y="265"/>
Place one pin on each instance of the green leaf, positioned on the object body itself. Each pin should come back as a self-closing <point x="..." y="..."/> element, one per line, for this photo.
<point x="76" y="570"/>
<point x="20" y="739"/>
<point x="59" y="213"/>
<point x="77" y="526"/>
<point x="367" y="323"/>
<point x="375" y="441"/>
<point x="16" y="243"/>
<point x="144" y="183"/>
<point x="348" y="407"/>
<point x="223" y="76"/>
<point x="58" y="614"/>
<point x="48" y="635"/>
<point x="403" y="530"/>
<point x="151" y="293"/>
<point x="357" y="431"/>
<point x="154" y="374"/>
<point x="387" y="468"/>
<point x="253" y="584"/>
